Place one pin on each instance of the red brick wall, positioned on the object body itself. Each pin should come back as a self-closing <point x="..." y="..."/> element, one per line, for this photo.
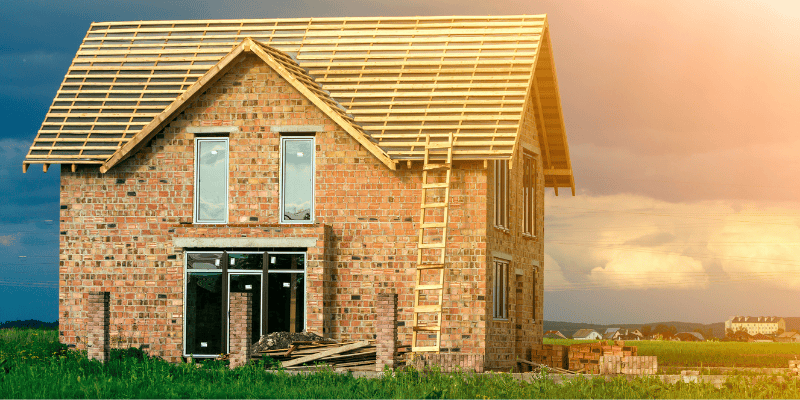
<point x="117" y="229"/>
<point x="522" y="332"/>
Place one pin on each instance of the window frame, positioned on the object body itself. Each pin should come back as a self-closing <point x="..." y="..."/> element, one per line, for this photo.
<point x="282" y="178"/>
<point x="501" y="194"/>
<point x="500" y="289"/>
<point x="196" y="195"/>
<point x="529" y="194"/>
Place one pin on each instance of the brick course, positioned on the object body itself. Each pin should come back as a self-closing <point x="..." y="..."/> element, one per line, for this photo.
<point x="118" y="229"/>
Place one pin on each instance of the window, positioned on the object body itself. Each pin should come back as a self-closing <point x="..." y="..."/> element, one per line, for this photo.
<point x="529" y="194"/>
<point x="277" y="280"/>
<point x="297" y="179"/>
<point x="500" y="289"/>
<point x="501" y="194"/>
<point x="211" y="181"/>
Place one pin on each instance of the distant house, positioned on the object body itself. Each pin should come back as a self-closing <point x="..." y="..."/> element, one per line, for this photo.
<point x="754" y="325"/>
<point x="740" y="336"/>
<point x="630" y="335"/>
<point x="587" y="334"/>
<point x="760" y="337"/>
<point x="788" y="337"/>
<point x="611" y="333"/>
<point x="689" y="337"/>
<point x="554" y="335"/>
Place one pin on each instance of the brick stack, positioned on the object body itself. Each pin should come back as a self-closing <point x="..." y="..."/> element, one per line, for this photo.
<point x="794" y="367"/>
<point x="552" y="355"/>
<point x="241" y="340"/>
<point x="386" y="331"/>
<point x="97" y="336"/>
<point x="629" y="365"/>
<point x="449" y="362"/>
<point x="586" y="357"/>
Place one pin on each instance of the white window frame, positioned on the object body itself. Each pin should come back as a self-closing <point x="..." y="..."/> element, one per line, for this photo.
<point x="500" y="289"/>
<point x="283" y="180"/>
<point x="196" y="205"/>
<point x="529" y="194"/>
<point x="501" y="194"/>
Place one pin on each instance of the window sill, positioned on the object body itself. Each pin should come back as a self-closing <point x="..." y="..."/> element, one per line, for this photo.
<point x="501" y="319"/>
<point x="528" y="236"/>
<point x="502" y="229"/>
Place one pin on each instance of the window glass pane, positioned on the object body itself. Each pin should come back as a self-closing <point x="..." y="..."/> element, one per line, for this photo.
<point x="286" y="302"/>
<point x="212" y="184"/>
<point x="204" y="260"/>
<point x="246" y="261"/>
<point x="287" y="261"/>
<point x="297" y="179"/>
<point x="204" y="313"/>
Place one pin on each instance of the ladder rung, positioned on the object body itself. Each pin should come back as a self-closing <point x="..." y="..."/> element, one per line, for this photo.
<point x="427" y="328"/>
<point x="434" y="225"/>
<point x="430" y="167"/>
<point x="428" y="309"/>
<point x="429" y="287"/>
<point x="431" y="245"/>
<point x="438" y="145"/>
<point x="430" y="266"/>
<point x="435" y="185"/>
<point x="423" y="349"/>
<point x="433" y="205"/>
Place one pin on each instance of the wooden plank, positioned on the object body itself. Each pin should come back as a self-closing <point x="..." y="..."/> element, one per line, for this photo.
<point x="336" y="350"/>
<point x="428" y="308"/>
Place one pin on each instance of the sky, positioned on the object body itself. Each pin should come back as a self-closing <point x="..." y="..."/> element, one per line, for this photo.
<point x="682" y="125"/>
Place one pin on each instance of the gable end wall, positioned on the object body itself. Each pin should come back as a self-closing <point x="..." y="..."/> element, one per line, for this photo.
<point x="118" y="229"/>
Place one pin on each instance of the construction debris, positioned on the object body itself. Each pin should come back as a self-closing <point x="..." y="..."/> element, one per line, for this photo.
<point x="302" y="354"/>
<point x="282" y="340"/>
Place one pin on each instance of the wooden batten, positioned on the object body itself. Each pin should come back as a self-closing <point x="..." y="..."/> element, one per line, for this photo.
<point x="25" y="168"/>
<point x="45" y="167"/>
<point x="74" y="167"/>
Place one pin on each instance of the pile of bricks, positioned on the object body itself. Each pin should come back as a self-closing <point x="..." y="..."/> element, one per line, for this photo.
<point x="794" y="367"/>
<point x="628" y="365"/>
<point x="551" y="355"/>
<point x="586" y="357"/>
<point x="449" y="362"/>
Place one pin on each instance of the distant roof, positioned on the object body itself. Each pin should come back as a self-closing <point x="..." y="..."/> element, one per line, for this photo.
<point x="756" y="320"/>
<point x="789" y="334"/>
<point x="554" y="335"/>
<point x="583" y="333"/>
<point x="697" y="335"/>
<point x="401" y="78"/>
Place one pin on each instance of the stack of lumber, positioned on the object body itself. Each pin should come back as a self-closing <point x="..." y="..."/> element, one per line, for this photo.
<point x="305" y="354"/>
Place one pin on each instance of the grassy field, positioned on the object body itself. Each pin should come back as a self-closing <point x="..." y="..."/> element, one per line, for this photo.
<point x="34" y="365"/>
<point x="711" y="354"/>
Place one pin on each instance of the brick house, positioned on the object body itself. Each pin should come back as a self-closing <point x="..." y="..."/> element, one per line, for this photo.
<point x="285" y="157"/>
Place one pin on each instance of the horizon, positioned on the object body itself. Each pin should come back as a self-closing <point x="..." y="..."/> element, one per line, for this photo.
<point x="682" y="146"/>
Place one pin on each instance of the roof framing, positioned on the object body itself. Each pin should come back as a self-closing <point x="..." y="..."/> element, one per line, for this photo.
<point x="401" y="79"/>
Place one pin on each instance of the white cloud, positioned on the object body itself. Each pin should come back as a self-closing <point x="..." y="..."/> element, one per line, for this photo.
<point x="8" y="240"/>
<point x="630" y="242"/>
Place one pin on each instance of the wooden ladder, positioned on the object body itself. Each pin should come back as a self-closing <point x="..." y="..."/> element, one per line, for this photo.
<point x="432" y="285"/>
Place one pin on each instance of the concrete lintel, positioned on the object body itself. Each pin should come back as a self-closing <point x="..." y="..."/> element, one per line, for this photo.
<point x="297" y="128"/>
<point x="535" y="263"/>
<point x="212" y="129"/>
<point x="244" y="242"/>
<point x="529" y="147"/>
<point x="501" y="255"/>
<point x="519" y="271"/>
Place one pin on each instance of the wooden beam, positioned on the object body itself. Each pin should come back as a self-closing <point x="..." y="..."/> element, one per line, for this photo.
<point x="74" y="167"/>
<point x="554" y="172"/>
<point x="45" y="167"/>
<point x="322" y="354"/>
<point x="25" y="168"/>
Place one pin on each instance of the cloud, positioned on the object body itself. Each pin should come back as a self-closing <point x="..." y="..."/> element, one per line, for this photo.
<point x="8" y="240"/>
<point x="632" y="242"/>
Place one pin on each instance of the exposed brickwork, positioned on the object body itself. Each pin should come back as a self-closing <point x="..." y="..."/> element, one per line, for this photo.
<point x="386" y="331"/>
<point x="241" y="325"/>
<point x="449" y="362"/>
<point x="585" y="357"/>
<point x="98" y="343"/>
<point x="629" y="365"/>
<point x="118" y="229"/>
<point x="522" y="332"/>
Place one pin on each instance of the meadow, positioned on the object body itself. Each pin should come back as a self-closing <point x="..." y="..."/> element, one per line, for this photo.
<point x="34" y="365"/>
<point x="711" y="354"/>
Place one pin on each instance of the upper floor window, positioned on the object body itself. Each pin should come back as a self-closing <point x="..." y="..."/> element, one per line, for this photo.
<point x="297" y="179"/>
<point x="211" y="181"/>
<point x="529" y="193"/>
<point x="500" y="291"/>
<point x="501" y="193"/>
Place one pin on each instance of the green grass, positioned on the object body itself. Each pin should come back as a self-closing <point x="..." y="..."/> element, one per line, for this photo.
<point x="711" y="354"/>
<point x="34" y="365"/>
